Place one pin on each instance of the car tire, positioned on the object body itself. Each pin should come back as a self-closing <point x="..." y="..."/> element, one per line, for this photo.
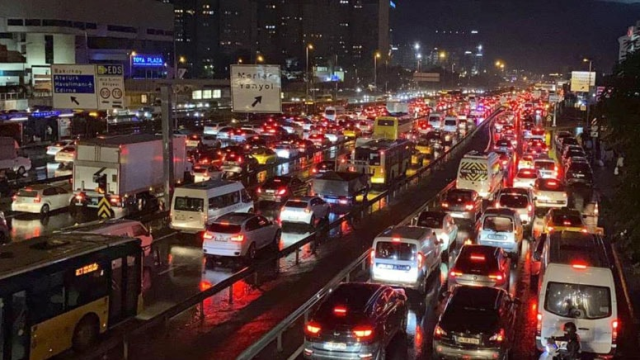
<point x="250" y="256"/>
<point x="44" y="210"/>
<point x="21" y="171"/>
<point x="86" y="333"/>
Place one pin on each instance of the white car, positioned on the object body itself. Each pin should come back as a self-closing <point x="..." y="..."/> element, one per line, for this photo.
<point x="443" y="225"/>
<point x="549" y="193"/>
<point x="334" y="137"/>
<point x="57" y="146"/>
<point x="525" y="178"/>
<point x="210" y="140"/>
<point x="205" y="173"/>
<point x="66" y="155"/>
<point x="286" y="151"/>
<point x="305" y="210"/>
<point x="20" y="165"/>
<point x="41" y="199"/>
<point x="547" y="168"/>
<point x="525" y="162"/>
<point x="239" y="236"/>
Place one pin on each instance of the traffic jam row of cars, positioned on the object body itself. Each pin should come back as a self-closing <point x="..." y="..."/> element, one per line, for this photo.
<point x="518" y="191"/>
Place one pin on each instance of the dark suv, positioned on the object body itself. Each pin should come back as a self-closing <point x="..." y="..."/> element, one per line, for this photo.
<point x="281" y="188"/>
<point x="477" y="322"/>
<point x="355" y="321"/>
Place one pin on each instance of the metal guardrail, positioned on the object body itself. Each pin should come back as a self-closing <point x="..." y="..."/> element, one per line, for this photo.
<point x="131" y="329"/>
<point x="277" y="332"/>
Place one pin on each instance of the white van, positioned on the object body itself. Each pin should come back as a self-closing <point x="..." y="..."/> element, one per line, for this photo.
<point x="576" y="285"/>
<point x="118" y="227"/>
<point x="195" y="205"/>
<point x="450" y="124"/>
<point x="405" y="256"/>
<point x="332" y="113"/>
<point x="435" y="120"/>
<point x="480" y="172"/>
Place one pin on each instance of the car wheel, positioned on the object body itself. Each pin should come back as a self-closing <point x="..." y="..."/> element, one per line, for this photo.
<point x="21" y="171"/>
<point x="45" y="209"/>
<point x="251" y="253"/>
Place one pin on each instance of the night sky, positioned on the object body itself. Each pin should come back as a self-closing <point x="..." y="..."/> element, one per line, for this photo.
<point x="538" y="35"/>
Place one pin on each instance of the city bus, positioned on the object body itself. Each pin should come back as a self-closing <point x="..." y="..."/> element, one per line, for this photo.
<point x="391" y="127"/>
<point x="385" y="160"/>
<point x="61" y="291"/>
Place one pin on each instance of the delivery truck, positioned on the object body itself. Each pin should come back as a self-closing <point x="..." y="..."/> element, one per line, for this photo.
<point x="127" y="170"/>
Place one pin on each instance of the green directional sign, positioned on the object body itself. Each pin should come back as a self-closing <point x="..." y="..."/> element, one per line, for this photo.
<point x="104" y="208"/>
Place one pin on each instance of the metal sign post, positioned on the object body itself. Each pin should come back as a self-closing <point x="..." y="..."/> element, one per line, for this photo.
<point x="167" y="142"/>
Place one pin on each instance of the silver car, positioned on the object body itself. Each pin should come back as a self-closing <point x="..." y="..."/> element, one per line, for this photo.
<point x="239" y="236"/>
<point x="481" y="265"/>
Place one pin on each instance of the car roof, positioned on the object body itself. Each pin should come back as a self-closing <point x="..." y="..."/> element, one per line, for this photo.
<point x="301" y="199"/>
<point x="499" y="211"/>
<point x="570" y="247"/>
<point x="38" y="187"/>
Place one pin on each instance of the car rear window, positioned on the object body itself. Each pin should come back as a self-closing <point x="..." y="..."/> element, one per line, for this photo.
<point x="450" y="122"/>
<point x="527" y="174"/>
<point x="458" y="197"/>
<point x="354" y="298"/>
<point x="395" y="251"/>
<point x="225" y="228"/>
<point x="28" y="193"/>
<point x="498" y="223"/>
<point x="578" y="301"/>
<point x="514" y="201"/>
<point x="544" y="165"/>
<point x="477" y="261"/>
<point x="296" y="204"/>
<point x="551" y="185"/>
<point x="277" y="181"/>
<point x="184" y="203"/>
<point x="430" y="221"/>
<point x="466" y="312"/>
<point x="566" y="219"/>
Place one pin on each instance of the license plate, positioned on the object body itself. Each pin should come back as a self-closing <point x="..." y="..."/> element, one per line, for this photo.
<point x="219" y="238"/>
<point x="496" y="237"/>
<point x="456" y="215"/>
<point x="471" y="341"/>
<point x="335" y="346"/>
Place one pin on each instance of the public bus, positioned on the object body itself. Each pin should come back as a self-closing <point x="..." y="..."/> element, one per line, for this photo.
<point x="385" y="160"/>
<point x="61" y="291"/>
<point x="392" y="127"/>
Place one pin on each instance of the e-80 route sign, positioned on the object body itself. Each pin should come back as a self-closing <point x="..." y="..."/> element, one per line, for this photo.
<point x="256" y="88"/>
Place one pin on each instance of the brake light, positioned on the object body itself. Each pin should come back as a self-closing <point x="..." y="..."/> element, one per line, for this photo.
<point x="373" y="255"/>
<point x="259" y="191"/>
<point x="555" y="168"/>
<point x="237" y="238"/>
<point x="314" y="170"/>
<point x="420" y="260"/>
<point x="529" y="208"/>
<point x="550" y="228"/>
<point x="312" y="329"/>
<point x="614" y="330"/>
<point x="207" y="235"/>
<point x="469" y="207"/>
<point x="363" y="332"/>
<point x="15" y="197"/>
<point x="37" y="199"/>
<point x="584" y="231"/>
<point x="579" y="266"/>
<point x="395" y="239"/>
<point x="438" y="332"/>
<point x="566" y="223"/>
<point x="498" y="337"/>
<point x="282" y="191"/>
<point x="467" y="242"/>
<point x="539" y="323"/>
<point x="340" y="311"/>
<point x="455" y="273"/>
<point x="496" y="277"/>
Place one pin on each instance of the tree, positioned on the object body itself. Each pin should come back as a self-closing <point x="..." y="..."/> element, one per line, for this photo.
<point x="619" y="108"/>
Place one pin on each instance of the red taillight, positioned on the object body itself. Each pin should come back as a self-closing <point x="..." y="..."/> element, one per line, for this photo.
<point x="363" y="332"/>
<point x="566" y="223"/>
<point x="314" y="170"/>
<point x="538" y="323"/>
<point x="205" y="285"/>
<point x="15" y="197"/>
<point x="37" y="199"/>
<point x="614" y="331"/>
<point x="455" y="273"/>
<point x="438" y="332"/>
<point x="259" y="191"/>
<point x="282" y="191"/>
<point x="469" y="206"/>
<point x="207" y="235"/>
<point x="498" y="337"/>
<point x="550" y="228"/>
<point x="373" y="256"/>
<point x="445" y="204"/>
<point x="497" y="277"/>
<point x="340" y="310"/>
<point x="579" y="266"/>
<point x="312" y="329"/>
<point x="584" y="231"/>
<point x="237" y="238"/>
<point x="477" y="257"/>
<point x="420" y="260"/>
<point x="529" y="208"/>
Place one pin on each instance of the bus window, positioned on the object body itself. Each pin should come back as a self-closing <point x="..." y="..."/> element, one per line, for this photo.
<point x="372" y="157"/>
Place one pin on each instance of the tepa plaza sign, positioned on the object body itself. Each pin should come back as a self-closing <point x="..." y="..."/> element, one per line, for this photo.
<point x="256" y="88"/>
<point x="88" y="87"/>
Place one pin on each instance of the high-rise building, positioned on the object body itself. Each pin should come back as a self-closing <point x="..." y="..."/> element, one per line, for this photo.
<point x="630" y="41"/>
<point x="83" y="32"/>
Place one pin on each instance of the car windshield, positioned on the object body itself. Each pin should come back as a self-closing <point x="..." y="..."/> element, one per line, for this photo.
<point x="27" y="193"/>
<point x="184" y="203"/>
<point x="477" y="260"/>
<point x="544" y="165"/>
<point x="467" y="312"/>
<point x="354" y="297"/>
<point x="458" y="197"/>
<point x="225" y="228"/>
<point x="578" y="301"/>
<point x="498" y="224"/>
<point x="276" y="182"/>
<point x="450" y="122"/>
<point x="395" y="251"/>
<point x="296" y="204"/>
<point x="430" y="221"/>
<point x="514" y="201"/>
<point x="566" y="219"/>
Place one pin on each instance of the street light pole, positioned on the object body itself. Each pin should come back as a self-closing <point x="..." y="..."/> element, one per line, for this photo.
<point x="589" y="93"/>
<point x="375" y="70"/>
<point x="308" y="79"/>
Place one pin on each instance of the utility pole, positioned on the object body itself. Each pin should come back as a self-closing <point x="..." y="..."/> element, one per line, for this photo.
<point x="167" y="142"/>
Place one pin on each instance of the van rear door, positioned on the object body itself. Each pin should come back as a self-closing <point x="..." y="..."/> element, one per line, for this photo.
<point x="396" y="260"/>
<point x="189" y="212"/>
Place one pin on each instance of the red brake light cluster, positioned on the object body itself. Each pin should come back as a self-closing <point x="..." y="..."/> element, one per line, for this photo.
<point x="312" y="329"/>
<point x="340" y="310"/>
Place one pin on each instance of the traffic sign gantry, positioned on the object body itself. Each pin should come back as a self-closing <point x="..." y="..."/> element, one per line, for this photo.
<point x="104" y="208"/>
<point x="256" y="88"/>
<point x="88" y="87"/>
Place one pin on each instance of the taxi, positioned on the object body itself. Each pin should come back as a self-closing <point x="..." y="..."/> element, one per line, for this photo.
<point x="264" y="155"/>
<point x="563" y="219"/>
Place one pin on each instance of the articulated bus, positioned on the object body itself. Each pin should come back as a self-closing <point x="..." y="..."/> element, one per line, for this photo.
<point x="385" y="160"/>
<point x="391" y="127"/>
<point x="62" y="291"/>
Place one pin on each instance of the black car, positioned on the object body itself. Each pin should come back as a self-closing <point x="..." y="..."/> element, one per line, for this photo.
<point x="578" y="173"/>
<point x="281" y="188"/>
<point x="324" y="166"/>
<point x="462" y="204"/>
<point x="355" y="321"/>
<point x="477" y="322"/>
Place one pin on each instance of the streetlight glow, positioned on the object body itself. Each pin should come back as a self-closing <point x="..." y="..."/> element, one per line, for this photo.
<point x="416" y="46"/>
<point x="182" y="59"/>
<point x="260" y="58"/>
<point x="378" y="55"/>
<point x="442" y="55"/>
<point x="310" y="46"/>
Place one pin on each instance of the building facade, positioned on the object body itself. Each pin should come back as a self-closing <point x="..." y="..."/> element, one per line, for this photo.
<point x="630" y="41"/>
<point x="83" y="32"/>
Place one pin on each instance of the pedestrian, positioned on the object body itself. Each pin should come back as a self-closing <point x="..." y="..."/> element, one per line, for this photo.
<point x="619" y="164"/>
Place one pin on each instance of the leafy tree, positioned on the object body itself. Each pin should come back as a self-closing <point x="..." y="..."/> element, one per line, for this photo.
<point x="619" y="108"/>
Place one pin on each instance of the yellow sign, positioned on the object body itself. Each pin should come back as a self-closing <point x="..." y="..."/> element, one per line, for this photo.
<point x="86" y="269"/>
<point x="104" y="208"/>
